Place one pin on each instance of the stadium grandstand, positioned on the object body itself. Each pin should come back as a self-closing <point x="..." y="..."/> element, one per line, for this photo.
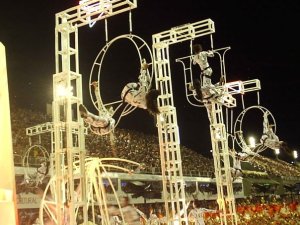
<point x="264" y="179"/>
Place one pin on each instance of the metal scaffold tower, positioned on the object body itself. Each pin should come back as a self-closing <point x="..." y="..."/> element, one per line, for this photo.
<point x="168" y="129"/>
<point x="69" y="141"/>
<point x="69" y="189"/>
<point x="226" y="200"/>
<point x="171" y="163"/>
<point x="219" y="139"/>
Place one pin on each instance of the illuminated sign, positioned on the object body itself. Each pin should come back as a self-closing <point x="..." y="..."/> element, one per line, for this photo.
<point x="103" y="7"/>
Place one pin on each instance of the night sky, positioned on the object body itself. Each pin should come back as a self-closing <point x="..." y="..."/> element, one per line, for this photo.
<point x="263" y="36"/>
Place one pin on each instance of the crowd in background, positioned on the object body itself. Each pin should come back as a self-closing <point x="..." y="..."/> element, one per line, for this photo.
<point x="133" y="145"/>
<point x="274" y="167"/>
<point x="123" y="143"/>
<point x="250" y="211"/>
<point x="142" y="148"/>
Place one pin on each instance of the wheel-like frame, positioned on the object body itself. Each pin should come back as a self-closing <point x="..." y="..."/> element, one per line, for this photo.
<point x="28" y="156"/>
<point x="96" y="170"/>
<point x="144" y="53"/>
<point x="238" y="129"/>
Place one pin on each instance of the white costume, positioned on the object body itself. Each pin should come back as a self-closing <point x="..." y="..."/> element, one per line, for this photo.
<point x="41" y="173"/>
<point x="269" y="138"/>
<point x="196" y="214"/>
<point x="206" y="71"/>
<point x="100" y="125"/>
<point x="206" y="90"/>
<point x="237" y="157"/>
<point x="135" y="93"/>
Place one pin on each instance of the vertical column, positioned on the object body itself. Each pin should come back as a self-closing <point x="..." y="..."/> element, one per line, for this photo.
<point x="226" y="200"/>
<point x="171" y="164"/>
<point x="8" y="205"/>
<point x="69" y="143"/>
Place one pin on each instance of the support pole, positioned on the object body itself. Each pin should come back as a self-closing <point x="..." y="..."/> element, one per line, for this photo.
<point x="8" y="205"/>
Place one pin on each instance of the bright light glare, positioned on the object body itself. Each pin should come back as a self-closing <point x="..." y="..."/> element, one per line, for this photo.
<point x="295" y="154"/>
<point x="218" y="134"/>
<point x="162" y="118"/>
<point x="63" y="92"/>
<point x="252" y="142"/>
<point x="277" y="151"/>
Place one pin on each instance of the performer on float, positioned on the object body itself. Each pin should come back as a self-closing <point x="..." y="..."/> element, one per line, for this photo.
<point x="200" y="57"/>
<point x="269" y="138"/>
<point x="196" y="215"/>
<point x="139" y="94"/>
<point x="237" y="158"/>
<point x="102" y="124"/>
<point x="204" y="90"/>
<point x="41" y="173"/>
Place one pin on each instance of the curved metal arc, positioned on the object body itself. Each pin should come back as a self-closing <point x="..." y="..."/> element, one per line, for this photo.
<point x="186" y="82"/>
<point x="222" y="60"/>
<point x="122" y="160"/>
<point x="103" y="191"/>
<point x="238" y="126"/>
<point x="99" y="169"/>
<point x="128" y="109"/>
<point x="25" y="160"/>
<point x="45" y="204"/>
<point x="99" y="60"/>
<point x="95" y="168"/>
<point x="105" y="48"/>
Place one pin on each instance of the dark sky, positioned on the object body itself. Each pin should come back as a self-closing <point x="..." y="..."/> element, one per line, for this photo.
<point x="263" y="36"/>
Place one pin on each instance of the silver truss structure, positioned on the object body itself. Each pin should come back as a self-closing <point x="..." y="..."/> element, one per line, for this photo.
<point x="68" y="131"/>
<point x="70" y="145"/>
<point x="168" y="128"/>
<point x="171" y="163"/>
<point x="219" y="139"/>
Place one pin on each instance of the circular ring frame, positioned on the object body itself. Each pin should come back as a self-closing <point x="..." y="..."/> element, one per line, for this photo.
<point x="238" y="127"/>
<point x="141" y="47"/>
<point x="26" y="158"/>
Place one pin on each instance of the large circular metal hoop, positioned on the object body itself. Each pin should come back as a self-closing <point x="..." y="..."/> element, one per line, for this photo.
<point x="238" y="128"/>
<point x="143" y="50"/>
<point x="30" y="160"/>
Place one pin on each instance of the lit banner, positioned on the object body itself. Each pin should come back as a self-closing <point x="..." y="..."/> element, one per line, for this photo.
<point x="28" y="201"/>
